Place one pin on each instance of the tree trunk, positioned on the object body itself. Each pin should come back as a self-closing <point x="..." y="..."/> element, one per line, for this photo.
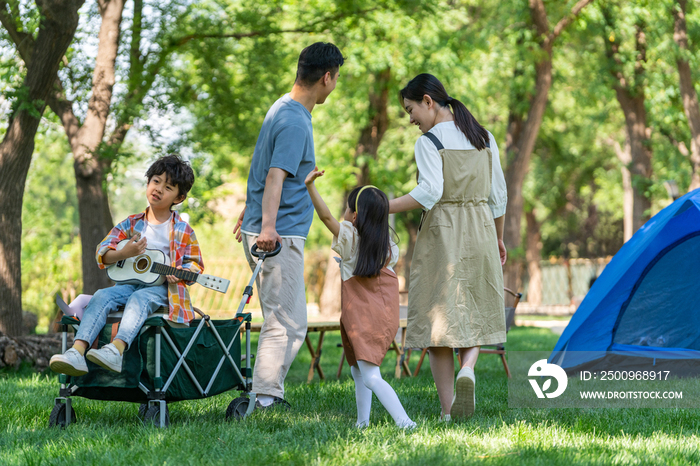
<point x="640" y="152"/>
<point x="368" y="144"/>
<point x="522" y="135"/>
<point x="59" y="20"/>
<point x="372" y="134"/>
<point x="93" y="225"/>
<point x="520" y="143"/>
<point x="690" y="97"/>
<point x="89" y="165"/>
<point x="625" y="157"/>
<point x="627" y="193"/>
<point x="637" y="155"/>
<point x="533" y="255"/>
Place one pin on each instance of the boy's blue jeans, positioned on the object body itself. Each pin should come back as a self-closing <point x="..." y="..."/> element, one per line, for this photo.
<point x="139" y="302"/>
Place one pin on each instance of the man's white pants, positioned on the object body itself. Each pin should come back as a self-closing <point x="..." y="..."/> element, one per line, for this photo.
<point x="282" y="297"/>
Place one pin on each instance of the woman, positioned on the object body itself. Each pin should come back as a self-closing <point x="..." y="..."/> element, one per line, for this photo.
<point x="455" y="297"/>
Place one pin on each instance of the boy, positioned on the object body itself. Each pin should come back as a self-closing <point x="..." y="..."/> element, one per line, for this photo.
<point x="169" y="181"/>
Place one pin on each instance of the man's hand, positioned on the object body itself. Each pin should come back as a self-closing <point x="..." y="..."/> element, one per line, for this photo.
<point x="134" y="247"/>
<point x="237" y="229"/>
<point x="268" y="239"/>
<point x="502" y="251"/>
<point x="315" y="173"/>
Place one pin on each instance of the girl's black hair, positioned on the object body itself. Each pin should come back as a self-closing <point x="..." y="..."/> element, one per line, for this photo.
<point x="372" y="225"/>
<point x="428" y="84"/>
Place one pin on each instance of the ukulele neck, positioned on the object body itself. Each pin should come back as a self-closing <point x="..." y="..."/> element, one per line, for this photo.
<point x="162" y="269"/>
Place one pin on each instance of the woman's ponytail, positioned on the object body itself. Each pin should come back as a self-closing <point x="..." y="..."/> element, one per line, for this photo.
<point x="472" y="129"/>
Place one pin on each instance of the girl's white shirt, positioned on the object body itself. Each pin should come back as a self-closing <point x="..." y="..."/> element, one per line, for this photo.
<point x="158" y="237"/>
<point x="346" y="245"/>
<point x="429" y="163"/>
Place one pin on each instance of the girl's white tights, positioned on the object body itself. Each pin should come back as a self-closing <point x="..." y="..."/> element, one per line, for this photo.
<point x="368" y="379"/>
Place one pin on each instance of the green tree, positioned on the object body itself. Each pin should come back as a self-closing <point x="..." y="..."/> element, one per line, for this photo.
<point x="50" y="232"/>
<point x="627" y="66"/>
<point x="536" y="43"/>
<point x="687" y="88"/>
<point x="54" y="29"/>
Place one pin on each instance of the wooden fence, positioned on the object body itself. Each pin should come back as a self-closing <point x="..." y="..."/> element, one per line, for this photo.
<point x="563" y="282"/>
<point x="236" y="270"/>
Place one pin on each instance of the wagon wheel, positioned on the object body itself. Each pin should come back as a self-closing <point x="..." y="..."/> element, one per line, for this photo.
<point x="237" y="408"/>
<point x="143" y="407"/>
<point x="58" y="416"/>
<point x="153" y="415"/>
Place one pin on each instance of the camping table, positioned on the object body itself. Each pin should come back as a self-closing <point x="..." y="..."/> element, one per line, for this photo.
<point x="323" y="327"/>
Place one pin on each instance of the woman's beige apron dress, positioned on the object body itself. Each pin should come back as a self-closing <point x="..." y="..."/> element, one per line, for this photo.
<point x="455" y="296"/>
<point x="369" y="318"/>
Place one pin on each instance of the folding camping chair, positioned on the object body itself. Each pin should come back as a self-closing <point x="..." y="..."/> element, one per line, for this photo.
<point x="488" y="349"/>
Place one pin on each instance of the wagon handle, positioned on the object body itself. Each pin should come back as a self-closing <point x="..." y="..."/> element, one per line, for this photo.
<point x="265" y="254"/>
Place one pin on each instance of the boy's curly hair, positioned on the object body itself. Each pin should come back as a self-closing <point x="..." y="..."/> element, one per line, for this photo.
<point x="177" y="172"/>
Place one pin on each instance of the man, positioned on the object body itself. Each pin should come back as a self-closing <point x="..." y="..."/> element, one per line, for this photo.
<point x="278" y="208"/>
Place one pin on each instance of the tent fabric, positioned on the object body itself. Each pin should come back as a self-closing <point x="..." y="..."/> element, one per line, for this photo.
<point x="645" y="299"/>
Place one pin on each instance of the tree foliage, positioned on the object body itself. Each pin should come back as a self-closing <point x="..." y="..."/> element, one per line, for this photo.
<point x="197" y="78"/>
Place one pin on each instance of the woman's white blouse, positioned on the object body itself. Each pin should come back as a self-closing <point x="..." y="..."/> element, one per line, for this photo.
<point x="429" y="163"/>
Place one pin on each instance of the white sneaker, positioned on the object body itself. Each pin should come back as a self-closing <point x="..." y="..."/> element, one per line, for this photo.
<point x="446" y="418"/>
<point x="70" y="363"/>
<point x="108" y="357"/>
<point x="406" y="424"/>
<point x="464" y="401"/>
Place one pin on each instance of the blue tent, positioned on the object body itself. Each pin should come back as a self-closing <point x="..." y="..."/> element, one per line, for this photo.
<point x="646" y="303"/>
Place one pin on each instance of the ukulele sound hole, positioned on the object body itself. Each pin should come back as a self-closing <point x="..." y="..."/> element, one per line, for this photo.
<point x="142" y="264"/>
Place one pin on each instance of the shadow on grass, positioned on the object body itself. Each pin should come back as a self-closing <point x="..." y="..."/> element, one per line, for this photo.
<point x="320" y="427"/>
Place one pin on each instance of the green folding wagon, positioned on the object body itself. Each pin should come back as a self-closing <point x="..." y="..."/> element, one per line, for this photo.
<point x="166" y="363"/>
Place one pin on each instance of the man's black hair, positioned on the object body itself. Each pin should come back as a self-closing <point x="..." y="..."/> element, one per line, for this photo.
<point x="177" y="172"/>
<point x="316" y="60"/>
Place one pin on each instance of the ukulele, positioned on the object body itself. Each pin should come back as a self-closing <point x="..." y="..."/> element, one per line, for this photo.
<point x="151" y="267"/>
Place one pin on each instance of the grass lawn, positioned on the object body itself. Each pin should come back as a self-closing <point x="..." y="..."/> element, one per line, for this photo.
<point x="320" y="427"/>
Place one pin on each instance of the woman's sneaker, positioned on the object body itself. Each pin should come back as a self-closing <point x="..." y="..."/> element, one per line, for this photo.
<point x="70" y="363"/>
<point x="108" y="357"/>
<point x="464" y="401"/>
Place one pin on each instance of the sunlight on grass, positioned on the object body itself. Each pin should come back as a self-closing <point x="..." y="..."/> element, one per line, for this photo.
<point x="320" y="427"/>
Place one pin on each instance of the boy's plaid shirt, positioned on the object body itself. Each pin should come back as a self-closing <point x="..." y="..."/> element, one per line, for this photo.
<point x="184" y="251"/>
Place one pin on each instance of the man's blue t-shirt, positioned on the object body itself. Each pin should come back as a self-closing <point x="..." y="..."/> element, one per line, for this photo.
<point x="286" y="141"/>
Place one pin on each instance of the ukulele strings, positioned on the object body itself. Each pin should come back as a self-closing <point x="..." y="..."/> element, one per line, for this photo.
<point x="162" y="269"/>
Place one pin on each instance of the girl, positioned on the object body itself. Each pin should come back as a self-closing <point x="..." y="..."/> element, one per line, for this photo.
<point x="370" y="293"/>
<point x="455" y="297"/>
